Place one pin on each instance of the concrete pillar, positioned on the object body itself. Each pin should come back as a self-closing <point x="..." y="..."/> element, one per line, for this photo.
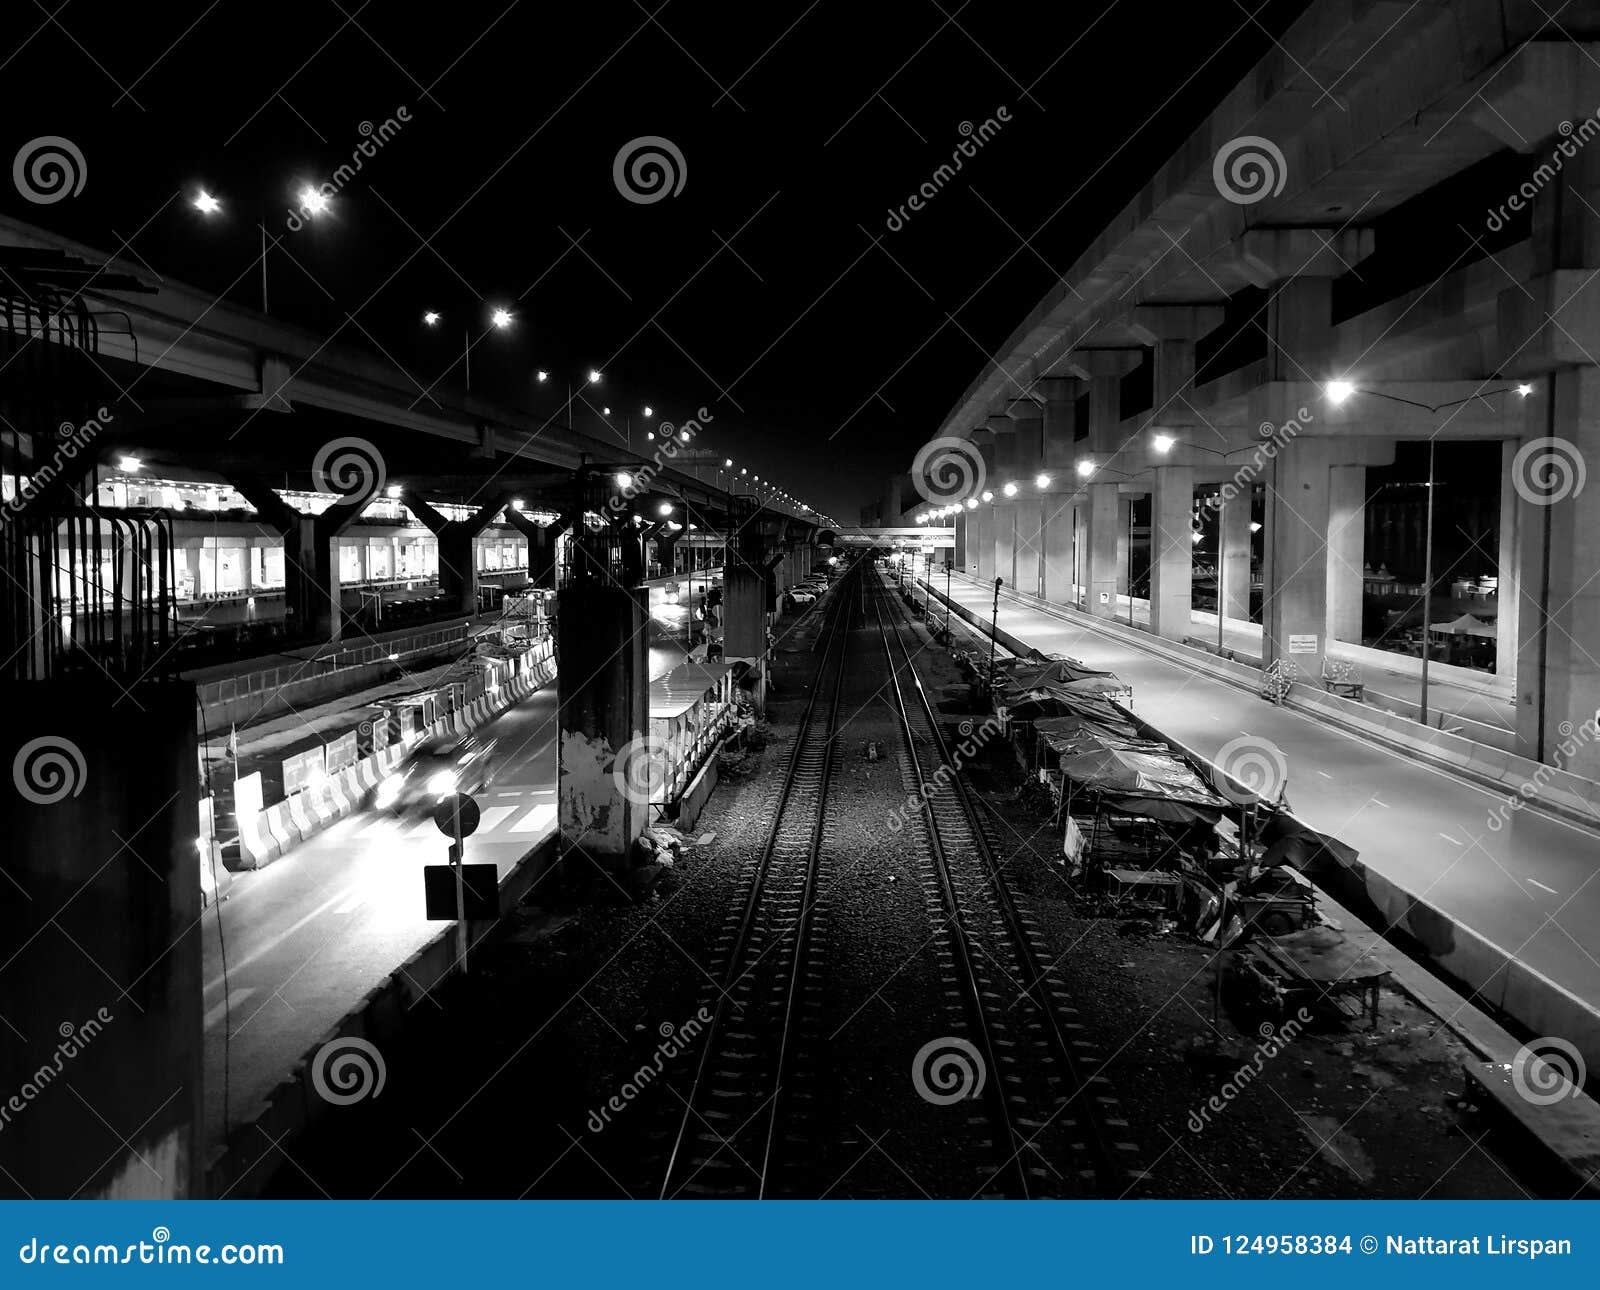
<point x="1347" y="525"/>
<point x="1028" y="463"/>
<point x="744" y="618"/>
<point x="541" y="546"/>
<point x="981" y="556"/>
<point x="458" y="568"/>
<point x="1236" y="552"/>
<point x="1124" y="539"/>
<point x="1058" y="538"/>
<point x="608" y="772"/>
<point x="1100" y="541"/>
<point x="1171" y="551"/>
<point x="103" y="968"/>
<point x="1508" y="565"/>
<point x="1005" y="523"/>
<point x="1295" y="611"/>
<point x="1058" y="439"/>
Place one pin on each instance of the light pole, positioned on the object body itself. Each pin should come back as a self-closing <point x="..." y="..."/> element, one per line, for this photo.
<point x="1338" y="392"/>
<point x="499" y="319"/>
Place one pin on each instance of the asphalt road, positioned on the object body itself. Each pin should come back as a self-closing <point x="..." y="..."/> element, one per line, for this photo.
<point x="310" y="934"/>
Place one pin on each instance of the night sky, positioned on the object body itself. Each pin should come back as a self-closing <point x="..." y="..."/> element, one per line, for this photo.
<point x="769" y="288"/>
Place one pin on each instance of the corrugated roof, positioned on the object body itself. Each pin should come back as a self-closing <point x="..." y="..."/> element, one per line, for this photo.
<point x="680" y="689"/>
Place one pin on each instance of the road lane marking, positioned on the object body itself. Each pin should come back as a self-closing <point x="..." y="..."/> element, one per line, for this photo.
<point x="221" y="1010"/>
<point x="1448" y="838"/>
<point x="536" y="820"/>
<point x="492" y="818"/>
<point x="1542" y="887"/>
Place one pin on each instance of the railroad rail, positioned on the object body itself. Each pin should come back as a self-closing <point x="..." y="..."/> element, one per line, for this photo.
<point x="1044" y="1106"/>
<point x="726" y="1141"/>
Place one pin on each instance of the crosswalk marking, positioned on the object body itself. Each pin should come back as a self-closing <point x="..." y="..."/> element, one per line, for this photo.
<point x="221" y="1010"/>
<point x="536" y="820"/>
<point x="494" y="817"/>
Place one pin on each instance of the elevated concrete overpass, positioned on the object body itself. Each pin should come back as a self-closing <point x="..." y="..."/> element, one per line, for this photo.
<point x="1386" y="233"/>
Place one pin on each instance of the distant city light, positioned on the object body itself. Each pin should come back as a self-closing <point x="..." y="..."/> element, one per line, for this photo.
<point x="541" y="376"/>
<point x="594" y="376"/>
<point x="129" y="463"/>
<point x="1010" y="490"/>
<point x="393" y="490"/>
<point x="649" y="411"/>
<point x="624" y="479"/>
<point x="664" y="509"/>
<point x="431" y="318"/>
<point x="501" y="318"/>
<point x="312" y="201"/>
<point x="205" y="203"/>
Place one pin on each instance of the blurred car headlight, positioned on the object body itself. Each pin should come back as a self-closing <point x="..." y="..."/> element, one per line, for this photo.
<point x="441" y="783"/>
<point x="389" y="789"/>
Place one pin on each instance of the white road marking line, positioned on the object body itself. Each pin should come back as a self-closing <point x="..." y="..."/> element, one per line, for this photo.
<point x="1535" y="882"/>
<point x="1324" y="774"/>
<point x="536" y="820"/>
<point x="494" y="817"/>
<point x="1448" y="838"/>
<point x="221" y="1010"/>
<point x="1376" y="802"/>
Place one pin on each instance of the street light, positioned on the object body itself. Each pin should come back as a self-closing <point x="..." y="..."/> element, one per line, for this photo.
<point x="205" y="203"/>
<point x="1041" y="480"/>
<point x="1339" y="392"/>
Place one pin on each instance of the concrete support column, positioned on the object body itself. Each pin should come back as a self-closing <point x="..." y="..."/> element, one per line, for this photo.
<point x="1100" y="542"/>
<point x="1508" y="566"/>
<point x="1347" y="511"/>
<point x="603" y="689"/>
<point x="311" y="592"/>
<point x="1005" y="524"/>
<point x="458" y="569"/>
<point x="1236" y="552"/>
<point x="1058" y="539"/>
<point x="1028" y="560"/>
<point x="541" y="546"/>
<point x="1124" y="539"/>
<point x="1295" y="613"/>
<point x="980" y="554"/>
<point x="744" y="617"/>
<point x="1171" y="551"/>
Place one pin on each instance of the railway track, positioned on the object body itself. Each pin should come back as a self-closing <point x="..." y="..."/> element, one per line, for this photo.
<point x="1056" y="1127"/>
<point x="729" y="1134"/>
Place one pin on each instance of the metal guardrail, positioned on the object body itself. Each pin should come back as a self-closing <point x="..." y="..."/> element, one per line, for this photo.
<point x="318" y="667"/>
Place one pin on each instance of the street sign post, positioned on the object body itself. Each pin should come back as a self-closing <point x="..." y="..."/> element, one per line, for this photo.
<point x="457" y="817"/>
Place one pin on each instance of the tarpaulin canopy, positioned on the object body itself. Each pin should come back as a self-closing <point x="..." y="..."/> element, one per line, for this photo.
<point x="1156" y="785"/>
<point x="1290" y="842"/>
<point x="1073" y="724"/>
<point x="1045" y="671"/>
<point x="1052" y="700"/>
<point x="1087" y="740"/>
